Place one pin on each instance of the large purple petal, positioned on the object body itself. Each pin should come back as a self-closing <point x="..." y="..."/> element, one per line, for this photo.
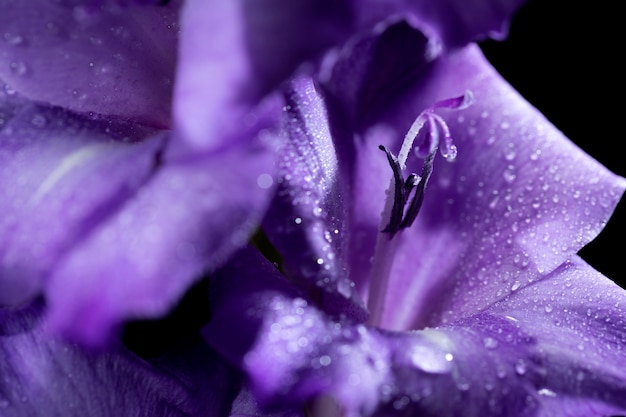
<point x="306" y="221"/>
<point x="519" y="199"/>
<point x="108" y="59"/>
<point x="43" y="376"/>
<point x="61" y="176"/>
<point x="190" y="216"/>
<point x="233" y="53"/>
<point x="553" y="348"/>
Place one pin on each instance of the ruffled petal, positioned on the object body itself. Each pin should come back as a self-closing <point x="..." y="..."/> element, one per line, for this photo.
<point x="110" y="60"/>
<point x="61" y="176"/>
<point x="233" y="53"/>
<point x="454" y="23"/>
<point x="553" y="348"/>
<point x="519" y="199"/>
<point x="306" y="221"/>
<point x="190" y="216"/>
<point x="43" y="376"/>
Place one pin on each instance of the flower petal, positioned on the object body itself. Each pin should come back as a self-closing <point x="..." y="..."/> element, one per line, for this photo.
<point x="306" y="220"/>
<point x="190" y="216"/>
<point x="42" y="376"/>
<point x="550" y="349"/>
<point x="453" y="22"/>
<point x="519" y="199"/>
<point x="233" y="53"/>
<point x="109" y="60"/>
<point x="62" y="175"/>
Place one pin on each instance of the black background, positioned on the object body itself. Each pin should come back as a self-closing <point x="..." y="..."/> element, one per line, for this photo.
<point x="565" y="58"/>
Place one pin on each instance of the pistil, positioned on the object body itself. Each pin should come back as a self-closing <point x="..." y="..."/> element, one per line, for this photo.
<point x="399" y="213"/>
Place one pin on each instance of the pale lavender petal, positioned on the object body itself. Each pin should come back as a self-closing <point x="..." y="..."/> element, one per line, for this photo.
<point x="43" y="376"/>
<point x="306" y="221"/>
<point x="190" y="216"/>
<point x="551" y="349"/>
<point x="233" y="53"/>
<point x="61" y="175"/>
<point x="519" y="199"/>
<point x="109" y="59"/>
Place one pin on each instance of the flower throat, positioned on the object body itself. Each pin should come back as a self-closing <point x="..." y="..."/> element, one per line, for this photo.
<point x="405" y="196"/>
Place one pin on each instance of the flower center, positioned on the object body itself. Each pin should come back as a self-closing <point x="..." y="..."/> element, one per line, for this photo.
<point x="405" y="196"/>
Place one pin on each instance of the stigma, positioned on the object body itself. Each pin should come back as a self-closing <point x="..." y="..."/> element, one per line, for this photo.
<point x="428" y="135"/>
<point x="405" y="197"/>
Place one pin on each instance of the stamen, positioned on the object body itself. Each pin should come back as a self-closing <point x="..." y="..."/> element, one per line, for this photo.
<point x="401" y="217"/>
<point x="399" y="194"/>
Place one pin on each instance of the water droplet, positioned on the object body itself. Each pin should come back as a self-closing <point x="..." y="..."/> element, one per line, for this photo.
<point x="516" y="286"/>
<point x="520" y="367"/>
<point x="18" y="68"/>
<point x="546" y="392"/>
<point x="39" y="120"/>
<point x="298" y="220"/>
<point x="490" y="342"/>
<point x="509" y="174"/>
<point x="13" y="39"/>
<point x="449" y="152"/>
<point x="401" y="403"/>
<point x="509" y="153"/>
<point x="264" y="181"/>
<point x="548" y="308"/>
<point x="325" y="360"/>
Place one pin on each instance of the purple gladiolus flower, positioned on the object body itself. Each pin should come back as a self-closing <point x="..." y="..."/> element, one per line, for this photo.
<point x="422" y="220"/>
<point x="477" y="302"/>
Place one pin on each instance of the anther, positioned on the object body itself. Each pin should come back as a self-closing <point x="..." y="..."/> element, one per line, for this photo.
<point x="399" y="194"/>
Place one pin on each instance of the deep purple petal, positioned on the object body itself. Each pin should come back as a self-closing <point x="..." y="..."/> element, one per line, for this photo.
<point x="233" y="53"/>
<point x="43" y="376"/>
<point x="190" y="216"/>
<point x="61" y="176"/>
<point x="519" y="199"/>
<point x="109" y="60"/>
<point x="551" y="349"/>
<point x="306" y="221"/>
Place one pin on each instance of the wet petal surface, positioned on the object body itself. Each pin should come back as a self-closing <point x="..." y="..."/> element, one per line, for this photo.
<point x="553" y="347"/>
<point x="108" y="59"/>
<point x="307" y="219"/>
<point x="518" y="200"/>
